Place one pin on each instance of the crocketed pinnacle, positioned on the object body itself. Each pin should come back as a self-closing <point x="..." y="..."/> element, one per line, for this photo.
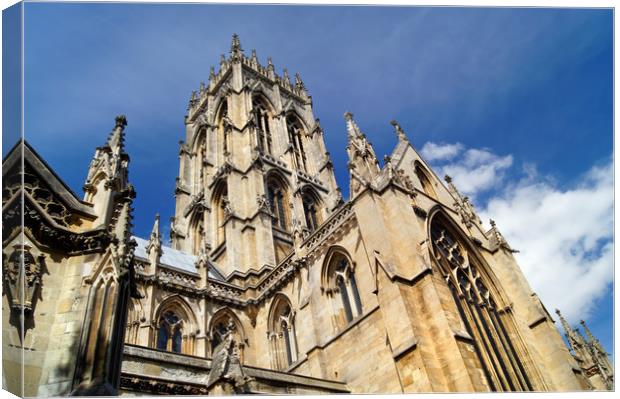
<point x="116" y="140"/>
<point x="400" y="133"/>
<point x="352" y="129"/>
<point x="235" y="46"/>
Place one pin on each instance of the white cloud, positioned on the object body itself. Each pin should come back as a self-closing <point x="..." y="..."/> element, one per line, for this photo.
<point x="565" y="235"/>
<point x="565" y="238"/>
<point x="476" y="170"/>
<point x="434" y="152"/>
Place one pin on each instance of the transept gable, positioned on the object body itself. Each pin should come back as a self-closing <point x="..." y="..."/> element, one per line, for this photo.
<point x="44" y="186"/>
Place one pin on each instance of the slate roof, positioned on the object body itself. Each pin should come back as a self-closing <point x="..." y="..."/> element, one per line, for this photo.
<point x="175" y="259"/>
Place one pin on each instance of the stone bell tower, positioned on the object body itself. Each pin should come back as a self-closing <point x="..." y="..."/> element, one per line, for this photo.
<point x="255" y="176"/>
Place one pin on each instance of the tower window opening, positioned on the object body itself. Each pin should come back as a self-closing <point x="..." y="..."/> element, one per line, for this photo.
<point x="276" y="196"/>
<point x="311" y="212"/>
<point x="263" y="129"/>
<point x="295" y="135"/>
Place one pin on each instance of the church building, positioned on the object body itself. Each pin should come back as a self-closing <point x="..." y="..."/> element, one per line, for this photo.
<point x="270" y="282"/>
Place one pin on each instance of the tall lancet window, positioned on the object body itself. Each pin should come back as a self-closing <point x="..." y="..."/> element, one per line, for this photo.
<point x="169" y="335"/>
<point x="263" y="128"/>
<point x="197" y="233"/>
<point x="221" y="207"/>
<point x="277" y="201"/>
<point x="342" y="286"/>
<point x="425" y="181"/>
<point x="311" y="210"/>
<point x="295" y="136"/>
<point x="224" y="127"/>
<point x="281" y="333"/>
<point x="476" y="304"/>
<point x="223" y="323"/>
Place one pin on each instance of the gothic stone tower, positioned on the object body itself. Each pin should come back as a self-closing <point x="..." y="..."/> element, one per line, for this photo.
<point x="255" y="176"/>
<point x="398" y="289"/>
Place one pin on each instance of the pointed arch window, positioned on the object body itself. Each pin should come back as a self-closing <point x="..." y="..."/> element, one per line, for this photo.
<point x="220" y="208"/>
<point x="295" y="136"/>
<point x="311" y="211"/>
<point x="425" y="181"/>
<point x="478" y="310"/>
<point x="263" y="129"/>
<point x="277" y="201"/>
<point x="223" y="123"/>
<point x="282" y="335"/>
<point x="197" y="232"/>
<point x="222" y="324"/>
<point x="169" y="334"/>
<point x="342" y="285"/>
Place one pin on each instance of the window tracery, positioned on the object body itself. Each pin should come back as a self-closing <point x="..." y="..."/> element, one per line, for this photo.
<point x="169" y="336"/>
<point x="224" y="126"/>
<point x="295" y="135"/>
<point x="282" y="333"/>
<point x="263" y="128"/>
<point x="223" y="323"/>
<point x="175" y="327"/>
<point x="342" y="285"/>
<point x="311" y="211"/>
<point x="478" y="310"/>
<point x="276" y="195"/>
<point x="221" y="208"/>
<point x="425" y="181"/>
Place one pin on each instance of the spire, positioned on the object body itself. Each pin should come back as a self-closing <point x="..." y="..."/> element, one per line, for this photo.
<point x="285" y="78"/>
<point x="155" y="238"/>
<point x="568" y="331"/>
<point x="463" y="206"/>
<point x="363" y="163"/>
<point x="117" y="137"/>
<point x="352" y="128"/>
<point x="400" y="133"/>
<point x="235" y="47"/>
<point x="299" y="84"/>
<point x="592" y="340"/>
<point x="270" y="69"/>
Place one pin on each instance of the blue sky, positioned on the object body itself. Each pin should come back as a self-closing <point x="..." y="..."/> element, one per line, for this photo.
<point x="525" y="95"/>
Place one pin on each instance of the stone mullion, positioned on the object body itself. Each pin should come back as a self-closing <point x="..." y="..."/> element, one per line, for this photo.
<point x="510" y="347"/>
<point x="509" y="353"/>
<point x="500" y="352"/>
<point x="486" y="352"/>
<point x="482" y="358"/>
<point x="293" y="340"/>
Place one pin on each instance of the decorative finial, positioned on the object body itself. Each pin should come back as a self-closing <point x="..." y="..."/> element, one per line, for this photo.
<point x="222" y="61"/>
<point x="212" y="73"/>
<point x="299" y="84"/>
<point x="448" y="179"/>
<point x="399" y="131"/>
<point x="121" y="121"/>
<point x="235" y="46"/>
<point x="285" y="76"/>
<point x="254" y="57"/>
<point x="492" y="222"/>
<point x="269" y="63"/>
<point x="348" y="116"/>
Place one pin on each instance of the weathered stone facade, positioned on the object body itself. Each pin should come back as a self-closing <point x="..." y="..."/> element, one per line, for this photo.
<point x="273" y="283"/>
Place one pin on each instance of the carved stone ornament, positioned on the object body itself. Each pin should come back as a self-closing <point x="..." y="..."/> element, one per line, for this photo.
<point x="22" y="277"/>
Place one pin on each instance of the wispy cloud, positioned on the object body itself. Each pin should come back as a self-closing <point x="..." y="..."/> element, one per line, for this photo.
<point x="439" y="152"/>
<point x="474" y="170"/>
